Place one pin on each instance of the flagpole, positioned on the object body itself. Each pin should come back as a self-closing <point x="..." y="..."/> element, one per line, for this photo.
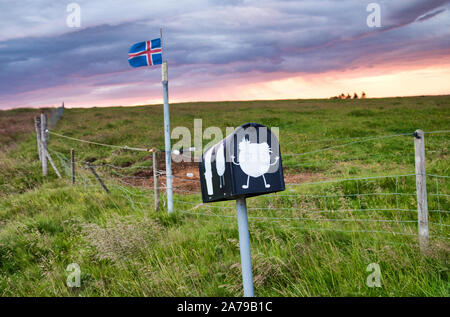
<point x="165" y="84"/>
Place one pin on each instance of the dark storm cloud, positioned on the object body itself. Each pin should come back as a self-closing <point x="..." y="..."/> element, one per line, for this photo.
<point x="402" y="12"/>
<point x="34" y="63"/>
<point x="222" y="38"/>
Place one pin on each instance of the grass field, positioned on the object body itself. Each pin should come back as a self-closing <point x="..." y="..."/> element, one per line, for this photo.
<point x="315" y="239"/>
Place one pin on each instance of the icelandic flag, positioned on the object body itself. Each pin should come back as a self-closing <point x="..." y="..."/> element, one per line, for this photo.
<point x="146" y="53"/>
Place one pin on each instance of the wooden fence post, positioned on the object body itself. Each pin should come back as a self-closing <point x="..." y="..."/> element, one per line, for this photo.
<point x="44" y="144"/>
<point x="155" y="178"/>
<point x="53" y="165"/>
<point x="421" y="188"/>
<point x="72" y="165"/>
<point x="44" y="156"/>
<point x="37" y="126"/>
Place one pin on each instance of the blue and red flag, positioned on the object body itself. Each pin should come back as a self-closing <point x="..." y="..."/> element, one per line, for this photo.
<point x="146" y="53"/>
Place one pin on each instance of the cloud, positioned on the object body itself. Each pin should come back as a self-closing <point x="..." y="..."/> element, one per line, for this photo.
<point x="430" y="15"/>
<point x="403" y="12"/>
<point x="206" y="41"/>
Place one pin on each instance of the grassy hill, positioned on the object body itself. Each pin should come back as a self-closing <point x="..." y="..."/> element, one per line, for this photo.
<point x="351" y="203"/>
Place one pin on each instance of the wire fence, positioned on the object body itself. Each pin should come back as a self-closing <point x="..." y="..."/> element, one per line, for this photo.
<point x="381" y="204"/>
<point x="56" y="116"/>
<point x="122" y="147"/>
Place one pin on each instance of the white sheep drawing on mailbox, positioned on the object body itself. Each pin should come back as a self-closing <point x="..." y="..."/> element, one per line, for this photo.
<point x="254" y="160"/>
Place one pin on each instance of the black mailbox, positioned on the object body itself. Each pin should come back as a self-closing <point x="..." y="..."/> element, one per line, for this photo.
<point x="246" y="163"/>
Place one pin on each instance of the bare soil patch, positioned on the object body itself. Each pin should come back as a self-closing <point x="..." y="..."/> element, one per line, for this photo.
<point x="185" y="184"/>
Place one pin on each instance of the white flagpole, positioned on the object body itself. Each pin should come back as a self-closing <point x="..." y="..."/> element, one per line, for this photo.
<point x="165" y="84"/>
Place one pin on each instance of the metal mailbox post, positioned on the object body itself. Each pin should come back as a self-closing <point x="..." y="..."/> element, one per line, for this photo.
<point x="247" y="163"/>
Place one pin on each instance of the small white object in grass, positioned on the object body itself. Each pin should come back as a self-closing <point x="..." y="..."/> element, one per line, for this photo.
<point x="189" y="174"/>
<point x="176" y="152"/>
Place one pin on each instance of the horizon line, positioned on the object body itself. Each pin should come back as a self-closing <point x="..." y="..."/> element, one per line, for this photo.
<point x="217" y="101"/>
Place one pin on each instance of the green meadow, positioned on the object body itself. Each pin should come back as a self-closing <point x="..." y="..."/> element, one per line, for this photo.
<point x="350" y="201"/>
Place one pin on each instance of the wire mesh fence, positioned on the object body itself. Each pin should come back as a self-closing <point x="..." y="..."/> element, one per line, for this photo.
<point x="381" y="204"/>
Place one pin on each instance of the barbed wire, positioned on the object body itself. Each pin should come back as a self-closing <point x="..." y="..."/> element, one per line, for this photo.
<point x="132" y="176"/>
<point x="439" y="176"/>
<point x="185" y="179"/>
<point x="308" y="219"/>
<point x="122" y="147"/>
<point x="435" y="132"/>
<point x="349" y="179"/>
<point x="305" y="210"/>
<point x="254" y="224"/>
<point x="350" y="231"/>
<point x="346" y="144"/>
<point x="121" y="167"/>
<point x="186" y="190"/>
<point x="325" y="140"/>
<point x="282" y="220"/>
<point x="439" y="224"/>
<point x="440" y="195"/>
<point x="358" y="138"/>
<point x="83" y="163"/>
<point x="344" y="195"/>
<point x="103" y="165"/>
<point x="161" y="172"/>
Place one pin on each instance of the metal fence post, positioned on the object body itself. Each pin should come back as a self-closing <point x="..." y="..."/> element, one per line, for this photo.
<point x="155" y="178"/>
<point x="244" y="245"/>
<point x="44" y="144"/>
<point x="421" y="188"/>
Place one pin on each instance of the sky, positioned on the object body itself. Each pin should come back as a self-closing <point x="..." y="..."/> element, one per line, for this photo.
<point x="221" y="50"/>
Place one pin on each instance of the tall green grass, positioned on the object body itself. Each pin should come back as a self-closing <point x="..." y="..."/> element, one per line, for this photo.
<point x="124" y="248"/>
